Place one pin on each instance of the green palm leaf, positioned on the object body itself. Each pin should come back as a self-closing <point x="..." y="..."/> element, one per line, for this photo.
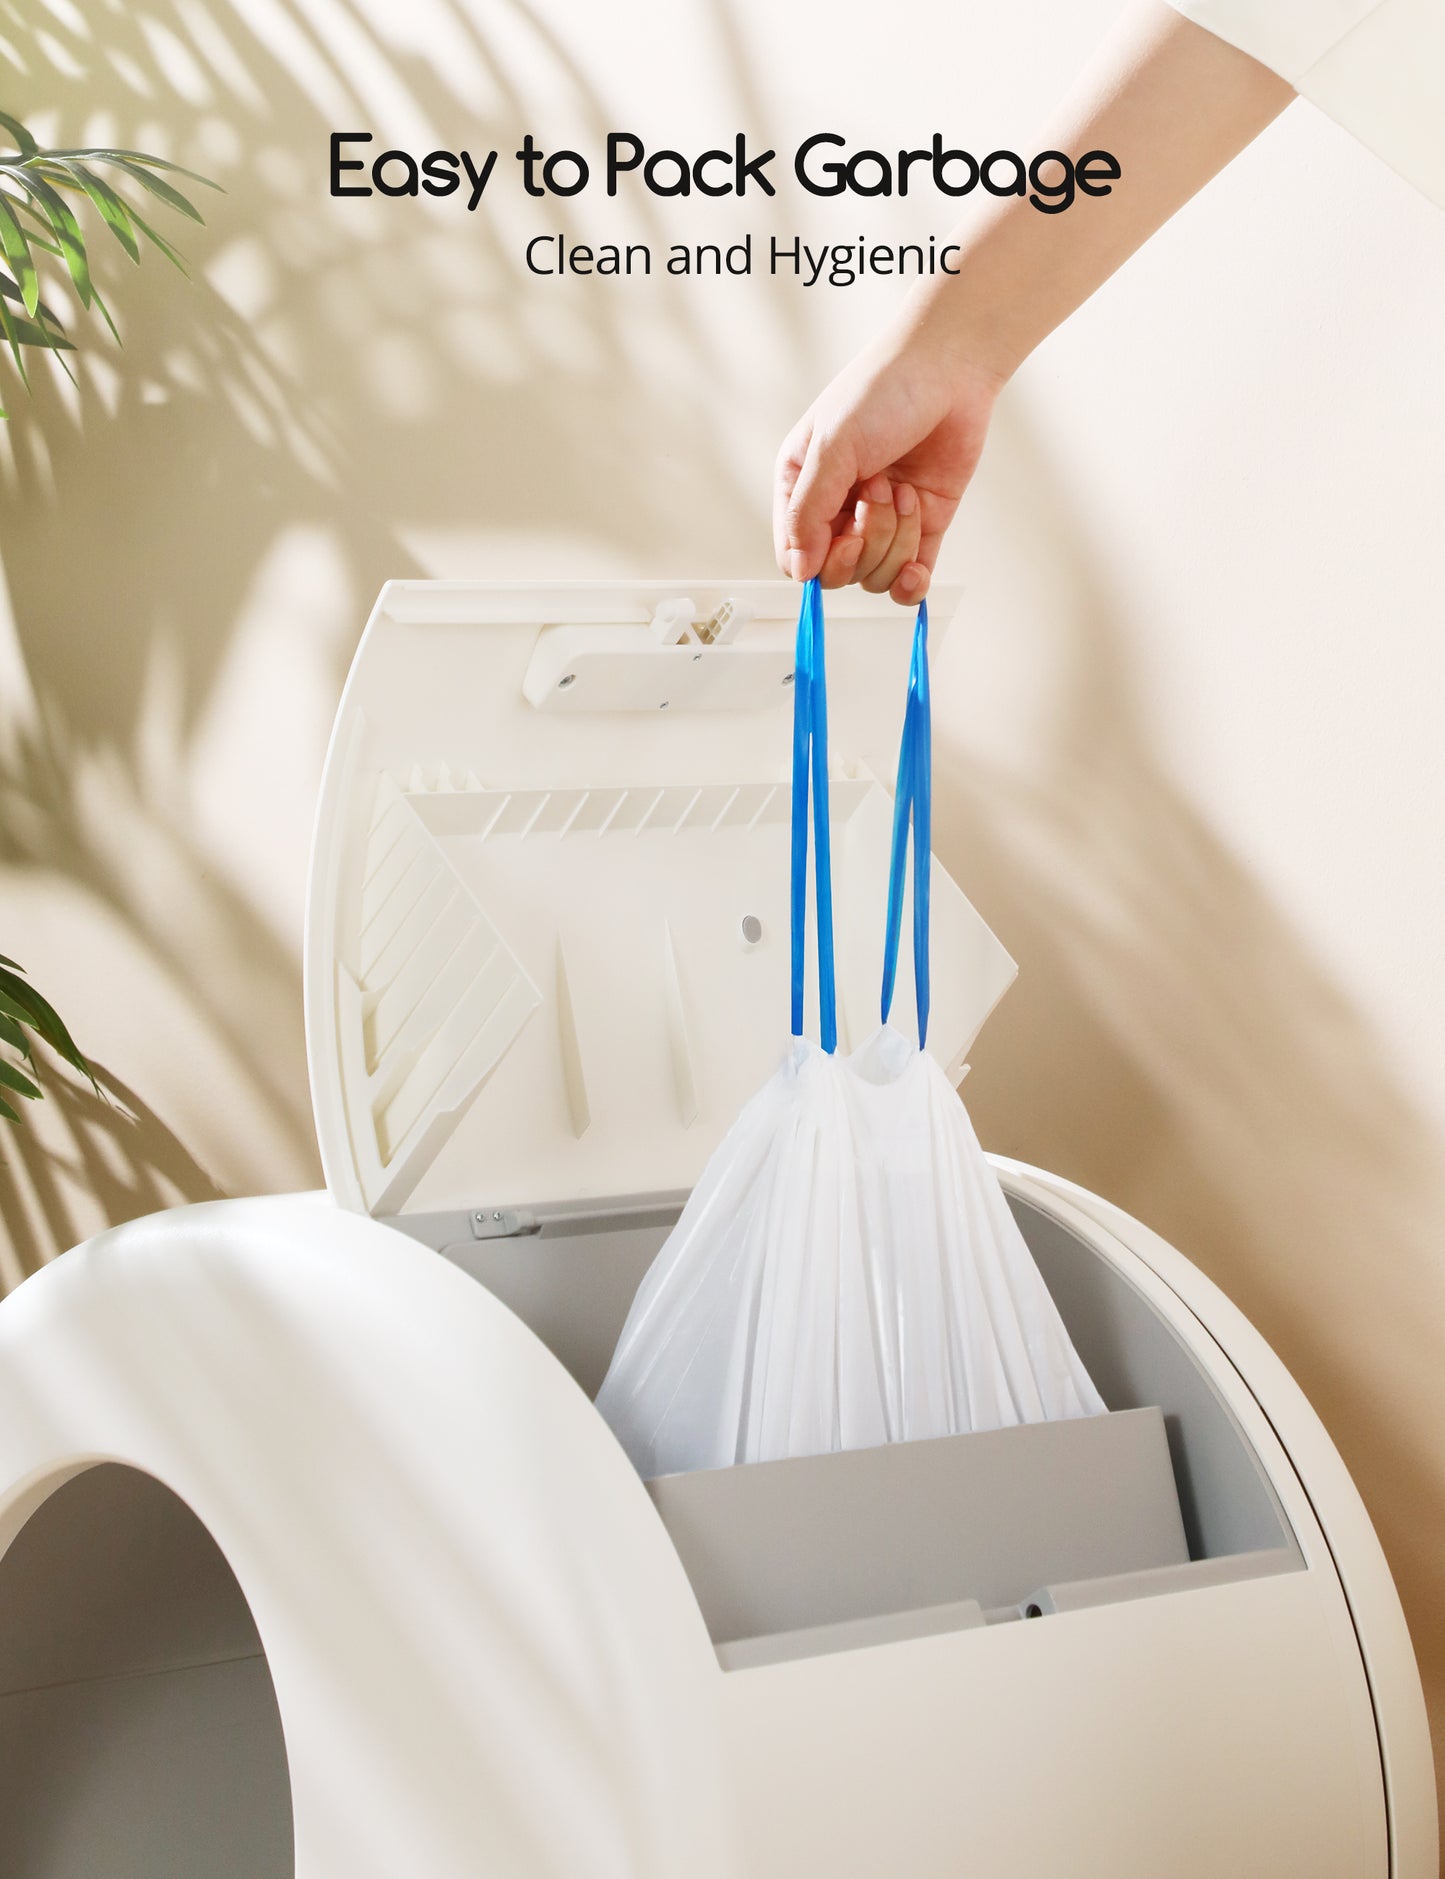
<point x="14" y="1079"/>
<point x="61" y="218"/>
<point x="20" y="1000"/>
<point x="159" y="188"/>
<point x="24" y="1011"/>
<point x="160" y="242"/>
<point x="48" y="317"/>
<point x="9" y="331"/>
<point x="103" y="154"/>
<point x="16" y="249"/>
<point x="113" y="210"/>
<point x="41" y="191"/>
<point x="24" y="142"/>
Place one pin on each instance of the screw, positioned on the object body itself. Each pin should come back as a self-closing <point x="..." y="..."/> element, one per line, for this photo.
<point x="663" y="706"/>
<point x="788" y="679"/>
<point x="695" y="657"/>
<point x="567" y="678"/>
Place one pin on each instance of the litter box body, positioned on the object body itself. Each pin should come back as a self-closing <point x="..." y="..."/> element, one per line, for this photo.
<point x="315" y="1556"/>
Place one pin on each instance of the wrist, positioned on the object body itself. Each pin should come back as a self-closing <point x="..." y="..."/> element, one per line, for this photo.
<point x="986" y="317"/>
<point x="953" y="332"/>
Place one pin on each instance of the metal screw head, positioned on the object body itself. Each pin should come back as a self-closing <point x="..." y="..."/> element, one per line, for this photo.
<point x="567" y="678"/>
<point x="751" y="929"/>
<point x="788" y="679"/>
<point x="695" y="657"/>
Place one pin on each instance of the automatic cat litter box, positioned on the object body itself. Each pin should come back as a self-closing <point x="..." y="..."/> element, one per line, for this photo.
<point x="315" y="1556"/>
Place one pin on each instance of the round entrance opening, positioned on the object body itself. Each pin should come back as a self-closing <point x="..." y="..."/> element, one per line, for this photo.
<point x="139" y="1733"/>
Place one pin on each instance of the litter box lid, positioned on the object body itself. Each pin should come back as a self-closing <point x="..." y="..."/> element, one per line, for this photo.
<point x="547" y="950"/>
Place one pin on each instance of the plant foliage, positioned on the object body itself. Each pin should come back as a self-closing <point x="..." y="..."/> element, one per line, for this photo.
<point x="23" y="1012"/>
<point x="40" y="191"/>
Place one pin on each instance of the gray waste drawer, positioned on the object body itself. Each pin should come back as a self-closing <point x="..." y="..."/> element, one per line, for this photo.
<point x="788" y="1547"/>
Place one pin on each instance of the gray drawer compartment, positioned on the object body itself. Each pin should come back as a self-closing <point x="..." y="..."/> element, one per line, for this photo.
<point x="787" y="1546"/>
<point x="827" y="1553"/>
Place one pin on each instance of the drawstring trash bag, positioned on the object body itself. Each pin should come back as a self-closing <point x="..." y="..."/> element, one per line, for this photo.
<point x="846" y="1271"/>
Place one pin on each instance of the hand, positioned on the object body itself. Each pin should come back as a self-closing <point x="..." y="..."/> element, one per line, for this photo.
<point x="869" y="479"/>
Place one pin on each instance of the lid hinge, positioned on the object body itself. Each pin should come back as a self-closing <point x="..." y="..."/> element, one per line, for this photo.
<point x="502" y="1223"/>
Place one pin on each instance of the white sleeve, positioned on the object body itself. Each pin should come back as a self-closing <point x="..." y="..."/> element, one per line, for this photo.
<point x="1288" y="36"/>
<point x="1376" y="66"/>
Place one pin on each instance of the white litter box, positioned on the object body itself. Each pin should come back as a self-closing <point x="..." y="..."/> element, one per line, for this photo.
<point x="316" y="1556"/>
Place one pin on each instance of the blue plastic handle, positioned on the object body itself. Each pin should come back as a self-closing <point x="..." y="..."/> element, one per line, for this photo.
<point x="912" y="805"/>
<point x="810" y="754"/>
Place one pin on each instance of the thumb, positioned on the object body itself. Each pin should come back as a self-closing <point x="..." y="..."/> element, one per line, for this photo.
<point x="809" y="496"/>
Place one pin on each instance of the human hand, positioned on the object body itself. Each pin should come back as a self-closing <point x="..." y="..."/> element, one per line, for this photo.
<point x="869" y="478"/>
<point x="872" y="475"/>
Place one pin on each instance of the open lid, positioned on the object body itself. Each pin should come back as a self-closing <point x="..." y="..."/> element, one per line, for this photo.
<point x="547" y="953"/>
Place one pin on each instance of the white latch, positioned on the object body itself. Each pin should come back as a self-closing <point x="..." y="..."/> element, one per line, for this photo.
<point x="674" y="663"/>
<point x="671" y="621"/>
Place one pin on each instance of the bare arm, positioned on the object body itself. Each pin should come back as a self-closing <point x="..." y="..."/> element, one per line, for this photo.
<point x="869" y="479"/>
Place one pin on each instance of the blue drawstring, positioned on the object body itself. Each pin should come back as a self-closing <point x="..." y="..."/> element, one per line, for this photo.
<point x="912" y="811"/>
<point x="810" y="747"/>
<point x="912" y="801"/>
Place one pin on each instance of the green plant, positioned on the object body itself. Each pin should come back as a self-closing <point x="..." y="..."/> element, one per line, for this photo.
<point x="37" y="189"/>
<point x="23" y="1010"/>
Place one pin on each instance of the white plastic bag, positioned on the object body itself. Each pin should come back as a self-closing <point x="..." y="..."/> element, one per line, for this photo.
<point x="847" y="1271"/>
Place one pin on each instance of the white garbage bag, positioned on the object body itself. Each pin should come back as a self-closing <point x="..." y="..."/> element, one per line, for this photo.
<point x="847" y="1271"/>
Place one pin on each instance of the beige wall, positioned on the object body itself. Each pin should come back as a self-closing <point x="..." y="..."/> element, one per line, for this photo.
<point x="1191" y="763"/>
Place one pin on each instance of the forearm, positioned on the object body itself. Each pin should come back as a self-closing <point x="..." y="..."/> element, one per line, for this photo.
<point x="1173" y="104"/>
<point x="870" y="477"/>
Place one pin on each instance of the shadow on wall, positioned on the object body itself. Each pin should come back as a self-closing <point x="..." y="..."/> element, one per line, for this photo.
<point x="81" y="1162"/>
<point x="1171" y="1044"/>
<point x="302" y="382"/>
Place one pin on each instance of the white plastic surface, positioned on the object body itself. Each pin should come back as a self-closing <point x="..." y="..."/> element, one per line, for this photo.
<point x="1282" y="1424"/>
<point x="484" y="1659"/>
<point x="1227" y="1730"/>
<point x="487" y="1658"/>
<point x="846" y="1273"/>
<point x="524" y="981"/>
<point x="527" y="979"/>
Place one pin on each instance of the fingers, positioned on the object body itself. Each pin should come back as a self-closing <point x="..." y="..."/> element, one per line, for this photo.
<point x="911" y="585"/>
<point x="876" y="520"/>
<point x="785" y="477"/>
<point x="916" y="577"/>
<point x="881" y="545"/>
<point x="887" y="523"/>
<point x="903" y="543"/>
<point x="862" y="541"/>
<point x="841" y="564"/>
<point x="815" y="476"/>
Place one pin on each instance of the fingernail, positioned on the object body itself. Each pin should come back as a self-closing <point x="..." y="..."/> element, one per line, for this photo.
<point x="905" y="500"/>
<point x="849" y="549"/>
<point x="913" y="581"/>
<point x="796" y="564"/>
<point x="877" y="489"/>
